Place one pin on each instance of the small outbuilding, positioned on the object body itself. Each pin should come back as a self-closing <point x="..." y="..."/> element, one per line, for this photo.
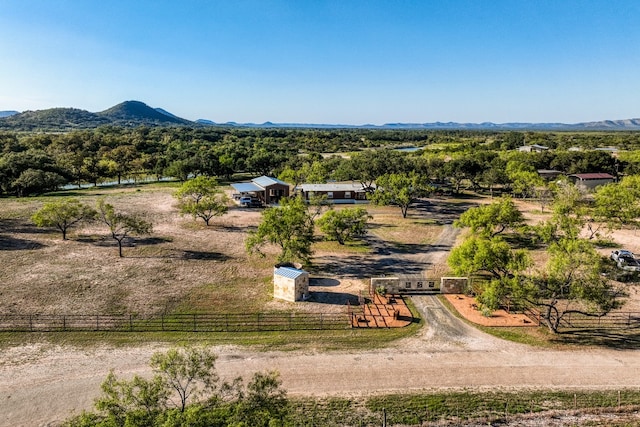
<point x="335" y="192"/>
<point x="290" y="283"/>
<point x="590" y="181"/>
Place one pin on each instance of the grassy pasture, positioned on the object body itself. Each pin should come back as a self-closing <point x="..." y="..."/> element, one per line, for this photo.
<point x="182" y="267"/>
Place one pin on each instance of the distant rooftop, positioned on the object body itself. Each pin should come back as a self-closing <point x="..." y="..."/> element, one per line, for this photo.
<point x="588" y="176"/>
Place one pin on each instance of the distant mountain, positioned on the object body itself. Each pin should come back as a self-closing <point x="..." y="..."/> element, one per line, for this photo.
<point x="134" y="112"/>
<point x="630" y="124"/>
<point x="128" y="113"/>
<point x="53" y="119"/>
<point x="206" y="122"/>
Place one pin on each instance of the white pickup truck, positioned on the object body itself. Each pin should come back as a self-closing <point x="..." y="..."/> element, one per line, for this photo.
<point x="625" y="260"/>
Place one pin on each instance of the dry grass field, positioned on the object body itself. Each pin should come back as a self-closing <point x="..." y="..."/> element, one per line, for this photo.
<point x="187" y="267"/>
<point x="183" y="266"/>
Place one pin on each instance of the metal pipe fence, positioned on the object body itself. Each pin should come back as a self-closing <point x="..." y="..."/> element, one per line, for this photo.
<point x="252" y="322"/>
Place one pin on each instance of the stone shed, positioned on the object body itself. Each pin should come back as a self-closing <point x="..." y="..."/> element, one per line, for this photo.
<point x="290" y="283"/>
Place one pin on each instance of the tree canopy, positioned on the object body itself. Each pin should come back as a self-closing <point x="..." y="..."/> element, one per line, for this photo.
<point x="120" y="224"/>
<point x="400" y="189"/>
<point x="288" y="226"/>
<point x="63" y="214"/>
<point x="492" y="219"/>
<point x="345" y="224"/>
<point x="202" y="198"/>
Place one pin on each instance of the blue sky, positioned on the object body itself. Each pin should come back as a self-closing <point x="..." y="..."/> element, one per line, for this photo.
<point x="342" y="61"/>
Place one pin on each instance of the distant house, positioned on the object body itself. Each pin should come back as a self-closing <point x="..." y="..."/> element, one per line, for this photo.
<point x="290" y="283"/>
<point x="336" y="192"/>
<point x="265" y="189"/>
<point x="534" y="148"/>
<point x="590" y="181"/>
<point x="549" y="174"/>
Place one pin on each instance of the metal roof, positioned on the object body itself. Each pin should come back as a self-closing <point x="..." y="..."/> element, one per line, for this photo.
<point x="246" y="187"/>
<point x="593" y="176"/>
<point x="289" y="272"/>
<point x="265" y="181"/>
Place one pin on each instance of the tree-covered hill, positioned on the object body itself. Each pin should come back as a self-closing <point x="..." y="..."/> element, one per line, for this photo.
<point x="128" y="113"/>
<point x="138" y="113"/>
<point x="53" y="119"/>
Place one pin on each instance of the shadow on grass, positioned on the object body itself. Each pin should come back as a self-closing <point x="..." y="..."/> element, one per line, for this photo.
<point x="323" y="281"/>
<point x="18" y="226"/>
<point x="12" y="244"/>
<point x="334" y="298"/>
<point x="202" y="255"/>
<point x="622" y="339"/>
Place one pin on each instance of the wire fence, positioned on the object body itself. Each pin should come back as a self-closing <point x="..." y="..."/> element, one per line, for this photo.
<point x="254" y="322"/>
<point x="618" y="320"/>
<point x="452" y="409"/>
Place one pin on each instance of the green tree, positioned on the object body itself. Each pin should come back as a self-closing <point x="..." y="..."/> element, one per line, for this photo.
<point x="63" y="214"/>
<point x="489" y="255"/>
<point x="121" y="225"/>
<point x="400" y="189"/>
<point x="571" y="283"/>
<point x="490" y="220"/>
<point x="189" y="372"/>
<point x="288" y="226"/>
<point x="201" y="198"/>
<point x="133" y="402"/>
<point x="265" y="403"/>
<point x="345" y="224"/>
<point x="616" y="204"/>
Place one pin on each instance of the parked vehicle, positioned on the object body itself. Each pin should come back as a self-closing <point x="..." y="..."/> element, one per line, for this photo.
<point x="621" y="254"/>
<point x="629" y="264"/>
<point x="250" y="202"/>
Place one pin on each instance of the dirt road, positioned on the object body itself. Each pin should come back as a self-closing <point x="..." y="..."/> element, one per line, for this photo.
<point x="43" y="385"/>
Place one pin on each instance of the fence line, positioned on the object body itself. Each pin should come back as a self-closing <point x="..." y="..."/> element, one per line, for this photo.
<point x="253" y="322"/>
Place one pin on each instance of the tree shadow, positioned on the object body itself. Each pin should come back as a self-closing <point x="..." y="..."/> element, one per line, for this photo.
<point x="357" y="266"/>
<point x="323" y="281"/>
<point x="202" y="255"/>
<point x="443" y="211"/>
<point x="333" y="298"/>
<point x="17" y="226"/>
<point x="150" y="240"/>
<point x="8" y="243"/>
<point x="627" y="339"/>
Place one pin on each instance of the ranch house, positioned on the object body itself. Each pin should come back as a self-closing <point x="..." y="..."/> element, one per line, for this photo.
<point x="266" y="189"/>
<point x="335" y="192"/>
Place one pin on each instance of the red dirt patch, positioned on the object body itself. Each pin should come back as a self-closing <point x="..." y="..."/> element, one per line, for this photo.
<point x="467" y="307"/>
<point x="389" y="311"/>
